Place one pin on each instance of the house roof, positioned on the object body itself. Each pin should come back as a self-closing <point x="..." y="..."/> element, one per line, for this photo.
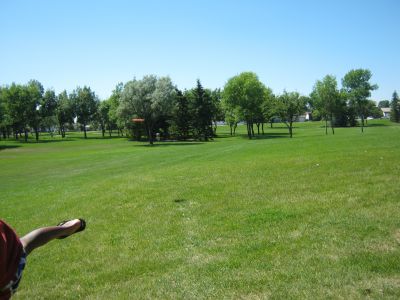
<point x="386" y="109"/>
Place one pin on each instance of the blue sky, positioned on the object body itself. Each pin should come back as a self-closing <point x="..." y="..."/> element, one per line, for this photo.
<point x="289" y="44"/>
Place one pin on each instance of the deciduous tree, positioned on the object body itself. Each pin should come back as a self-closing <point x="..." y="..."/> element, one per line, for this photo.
<point x="358" y="88"/>
<point x="64" y="111"/>
<point x="289" y="107"/>
<point x="246" y="93"/>
<point x="326" y="98"/>
<point x="149" y="98"/>
<point x="384" y="104"/>
<point x="48" y="109"/>
<point x="103" y="116"/>
<point x="85" y="103"/>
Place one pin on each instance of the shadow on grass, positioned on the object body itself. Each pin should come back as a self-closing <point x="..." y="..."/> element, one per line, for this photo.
<point x="4" y="147"/>
<point x="51" y="141"/>
<point x="266" y="136"/>
<point x="166" y="144"/>
<point x="180" y="201"/>
<point x="374" y="125"/>
<point x="98" y="137"/>
<point x="280" y="127"/>
<point x="223" y="136"/>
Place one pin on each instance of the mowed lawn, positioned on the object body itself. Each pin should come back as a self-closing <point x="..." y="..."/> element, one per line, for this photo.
<point x="310" y="217"/>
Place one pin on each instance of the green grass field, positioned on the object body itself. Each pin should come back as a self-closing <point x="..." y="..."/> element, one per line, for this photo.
<point x="310" y="217"/>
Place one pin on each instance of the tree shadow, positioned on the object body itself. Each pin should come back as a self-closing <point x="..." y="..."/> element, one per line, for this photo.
<point x="279" y="127"/>
<point x="50" y="141"/>
<point x="374" y="125"/>
<point x="166" y="144"/>
<point x="98" y="137"/>
<point x="223" y="136"/>
<point x="4" y="147"/>
<point x="267" y="136"/>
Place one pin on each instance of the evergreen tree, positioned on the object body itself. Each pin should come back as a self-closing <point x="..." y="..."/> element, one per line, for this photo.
<point x="203" y="108"/>
<point x="181" y="114"/>
<point x="395" y="108"/>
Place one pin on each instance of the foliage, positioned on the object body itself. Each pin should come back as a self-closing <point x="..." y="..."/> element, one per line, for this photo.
<point x="371" y="110"/>
<point x="232" y="115"/>
<point x="358" y="88"/>
<point x="327" y="99"/>
<point x="64" y="111"/>
<point x="150" y="98"/>
<point x="85" y="103"/>
<point x="202" y="109"/>
<point x="289" y="107"/>
<point x="384" y="104"/>
<point x="217" y="111"/>
<point x="246" y="94"/>
<point x="268" y="107"/>
<point x="395" y="108"/>
<point x="48" y="109"/>
<point x="181" y="116"/>
<point x="103" y="118"/>
<point x="114" y="100"/>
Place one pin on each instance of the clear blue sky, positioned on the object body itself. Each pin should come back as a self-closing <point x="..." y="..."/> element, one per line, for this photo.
<point x="289" y="44"/>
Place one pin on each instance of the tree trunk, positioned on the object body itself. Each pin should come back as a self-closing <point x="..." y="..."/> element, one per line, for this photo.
<point x="326" y="125"/>
<point x="262" y="128"/>
<point x="231" y="128"/>
<point x="84" y="130"/>
<point x="110" y="130"/>
<point x="248" y="130"/>
<point x="291" y="129"/>
<point x="37" y="134"/>
<point x="258" y="128"/>
<point x="271" y="122"/>
<point x="252" y="129"/>
<point x="149" y="133"/>
<point x="333" y="130"/>
<point x="362" y="123"/>
<point x="26" y="135"/>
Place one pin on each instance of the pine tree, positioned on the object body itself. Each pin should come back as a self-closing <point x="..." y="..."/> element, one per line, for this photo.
<point x="203" y="108"/>
<point x="182" y="115"/>
<point x="395" y="108"/>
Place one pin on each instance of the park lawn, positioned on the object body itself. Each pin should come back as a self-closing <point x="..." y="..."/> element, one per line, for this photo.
<point x="315" y="216"/>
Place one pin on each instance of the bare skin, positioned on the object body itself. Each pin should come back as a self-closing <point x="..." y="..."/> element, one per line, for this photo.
<point x="42" y="236"/>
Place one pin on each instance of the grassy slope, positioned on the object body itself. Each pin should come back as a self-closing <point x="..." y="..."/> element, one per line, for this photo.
<point x="310" y="217"/>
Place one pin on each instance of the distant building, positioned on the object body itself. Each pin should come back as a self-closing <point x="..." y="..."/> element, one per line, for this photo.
<point x="304" y="117"/>
<point x="386" y="112"/>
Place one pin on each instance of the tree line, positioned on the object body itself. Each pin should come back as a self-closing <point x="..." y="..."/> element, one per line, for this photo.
<point x="155" y="108"/>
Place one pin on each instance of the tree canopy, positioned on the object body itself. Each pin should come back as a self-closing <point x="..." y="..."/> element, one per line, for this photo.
<point x="149" y="98"/>
<point x="245" y="93"/>
<point x="327" y="99"/>
<point x="358" y="88"/>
